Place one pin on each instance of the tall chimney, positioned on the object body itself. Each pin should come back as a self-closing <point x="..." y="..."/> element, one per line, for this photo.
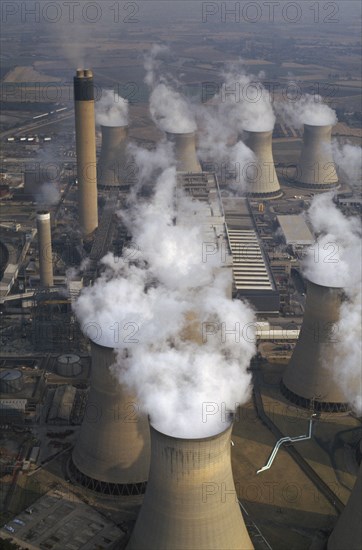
<point x="45" y="248"/>
<point x="190" y="501"/>
<point x="86" y="151"/>
<point x="185" y="151"/>
<point x="112" y="164"/>
<point x="307" y="380"/>
<point x="316" y="166"/>
<point x="263" y="180"/>
<point x="112" y="452"/>
<point x="348" y="530"/>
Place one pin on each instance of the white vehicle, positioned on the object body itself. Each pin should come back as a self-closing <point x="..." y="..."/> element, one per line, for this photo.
<point x="9" y="528"/>
<point x="18" y="521"/>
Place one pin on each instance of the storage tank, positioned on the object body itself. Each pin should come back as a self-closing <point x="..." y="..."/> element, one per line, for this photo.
<point x="69" y="365"/>
<point x="11" y="381"/>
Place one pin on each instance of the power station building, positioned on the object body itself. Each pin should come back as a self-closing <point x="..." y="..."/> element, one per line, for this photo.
<point x="190" y="501"/>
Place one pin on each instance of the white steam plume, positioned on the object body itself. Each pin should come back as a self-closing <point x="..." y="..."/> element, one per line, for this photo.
<point x="348" y="158"/>
<point x="111" y="109"/>
<point x="170" y="111"/>
<point x="307" y="109"/>
<point x="48" y="194"/>
<point x="247" y="104"/>
<point x="335" y="260"/>
<point x="156" y="308"/>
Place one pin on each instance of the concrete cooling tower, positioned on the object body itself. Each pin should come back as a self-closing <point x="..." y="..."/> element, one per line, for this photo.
<point x="112" y="164"/>
<point x="112" y="452"/>
<point x="348" y="530"/>
<point x="86" y="151"/>
<point x="45" y="249"/>
<point x="262" y="178"/>
<point x="316" y="166"/>
<point x="190" y="501"/>
<point x="185" y="151"/>
<point x="307" y="380"/>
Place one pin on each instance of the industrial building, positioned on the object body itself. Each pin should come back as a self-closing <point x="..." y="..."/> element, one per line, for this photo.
<point x="296" y="232"/>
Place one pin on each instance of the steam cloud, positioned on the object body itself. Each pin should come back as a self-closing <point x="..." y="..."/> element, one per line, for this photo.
<point x="335" y="260"/>
<point x="247" y="104"/>
<point x="170" y="111"/>
<point x="48" y="195"/>
<point x="308" y="109"/>
<point x="164" y="292"/>
<point x="111" y="109"/>
<point x="348" y="158"/>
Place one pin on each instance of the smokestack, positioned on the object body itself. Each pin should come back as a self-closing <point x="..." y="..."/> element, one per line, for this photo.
<point x="190" y="501"/>
<point x="348" y="531"/>
<point x="307" y="380"/>
<point x="185" y="151"/>
<point x="45" y="248"/>
<point x="264" y="182"/>
<point x="112" y="451"/>
<point x="316" y="166"/>
<point x="86" y="151"/>
<point x="112" y="164"/>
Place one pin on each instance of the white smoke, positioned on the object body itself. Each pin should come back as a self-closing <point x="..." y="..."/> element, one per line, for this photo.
<point x="111" y="109"/>
<point x="307" y="109"/>
<point x="247" y="104"/>
<point x="152" y="63"/>
<point x="156" y="308"/>
<point x="348" y="158"/>
<point x="335" y="260"/>
<point x="48" y="195"/>
<point x="170" y="111"/>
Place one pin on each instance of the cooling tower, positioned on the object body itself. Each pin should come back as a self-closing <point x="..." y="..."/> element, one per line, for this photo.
<point x="190" y="501"/>
<point x="45" y="249"/>
<point x="316" y="167"/>
<point x="262" y="178"/>
<point x="308" y="379"/>
<point x="112" y="452"/>
<point x="86" y="151"/>
<point x="112" y="164"/>
<point x="185" y="151"/>
<point x="348" y="530"/>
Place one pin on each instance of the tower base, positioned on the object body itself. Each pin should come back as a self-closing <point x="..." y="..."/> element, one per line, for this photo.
<point x="105" y="487"/>
<point x="312" y="404"/>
